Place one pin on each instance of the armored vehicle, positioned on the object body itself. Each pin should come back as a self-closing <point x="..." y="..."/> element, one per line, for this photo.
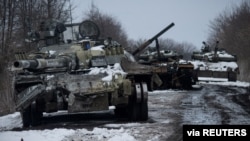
<point x="88" y="75"/>
<point x="152" y="57"/>
<point x="215" y="63"/>
<point x="171" y="70"/>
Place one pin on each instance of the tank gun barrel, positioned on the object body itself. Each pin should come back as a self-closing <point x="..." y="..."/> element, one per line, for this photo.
<point x="145" y="44"/>
<point x="36" y="64"/>
<point x="25" y="64"/>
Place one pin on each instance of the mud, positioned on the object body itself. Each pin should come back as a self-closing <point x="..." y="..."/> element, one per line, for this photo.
<point x="168" y="112"/>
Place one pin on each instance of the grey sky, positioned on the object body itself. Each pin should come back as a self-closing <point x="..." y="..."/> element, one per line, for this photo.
<point x="144" y="18"/>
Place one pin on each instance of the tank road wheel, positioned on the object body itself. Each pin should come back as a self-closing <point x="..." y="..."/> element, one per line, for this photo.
<point x="144" y="102"/>
<point x="138" y="103"/>
<point x="134" y="104"/>
<point x="31" y="116"/>
<point x="26" y="118"/>
<point x="121" y="111"/>
<point x="36" y="114"/>
<point x="134" y="112"/>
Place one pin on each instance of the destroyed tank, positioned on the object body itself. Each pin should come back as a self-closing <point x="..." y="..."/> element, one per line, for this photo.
<point x="215" y="63"/>
<point x="171" y="70"/>
<point x="87" y="75"/>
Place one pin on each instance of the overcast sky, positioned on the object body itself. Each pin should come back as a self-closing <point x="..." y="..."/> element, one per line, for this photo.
<point x="144" y="18"/>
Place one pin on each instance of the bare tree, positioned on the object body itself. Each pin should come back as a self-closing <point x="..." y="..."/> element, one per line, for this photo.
<point x="232" y="29"/>
<point x="55" y="9"/>
<point x="7" y="12"/>
<point x="134" y="44"/>
<point x="32" y="12"/>
<point x="185" y="49"/>
<point x="17" y="17"/>
<point x="109" y="26"/>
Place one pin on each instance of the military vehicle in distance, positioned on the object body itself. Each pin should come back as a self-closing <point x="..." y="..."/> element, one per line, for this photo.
<point x="91" y="74"/>
<point x="217" y="63"/>
<point x="171" y="70"/>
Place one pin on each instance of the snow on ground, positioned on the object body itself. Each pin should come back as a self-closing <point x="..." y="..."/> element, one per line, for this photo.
<point x="102" y="134"/>
<point x="223" y="82"/>
<point x="11" y="121"/>
<point x="36" y="135"/>
<point x="113" y="132"/>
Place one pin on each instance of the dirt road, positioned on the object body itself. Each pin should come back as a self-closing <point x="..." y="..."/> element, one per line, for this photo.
<point x="169" y="110"/>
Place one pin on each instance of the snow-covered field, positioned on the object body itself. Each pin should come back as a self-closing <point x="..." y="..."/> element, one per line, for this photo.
<point x="162" y="113"/>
